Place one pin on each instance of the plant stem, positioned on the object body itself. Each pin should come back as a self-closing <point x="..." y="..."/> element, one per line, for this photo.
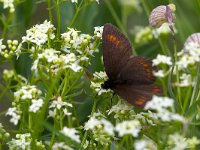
<point x="93" y="110"/>
<point x="58" y="18"/>
<point x="49" y="10"/>
<point x="76" y="14"/>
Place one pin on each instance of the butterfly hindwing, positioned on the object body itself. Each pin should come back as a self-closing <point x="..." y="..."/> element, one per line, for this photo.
<point x="138" y="70"/>
<point x="116" y="50"/>
<point x="137" y="95"/>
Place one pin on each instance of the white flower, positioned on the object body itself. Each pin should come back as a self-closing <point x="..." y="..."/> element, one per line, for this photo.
<point x="186" y="80"/>
<point x="2" y="47"/>
<point x="163" y="105"/>
<point x="15" y="115"/>
<point x="98" y="31"/>
<point x="105" y="125"/>
<point x="177" y="142"/>
<point x="74" y="1"/>
<point x="159" y="73"/>
<point x="132" y="127"/>
<point x="71" y="133"/>
<point x="75" y="67"/>
<point x="91" y="123"/>
<point x="145" y="144"/>
<point x="22" y="141"/>
<point x="27" y="92"/>
<point x="162" y="59"/>
<point x="58" y="103"/>
<point x="36" y="105"/>
<point x="57" y="106"/>
<point x="61" y="145"/>
<point x="8" y="4"/>
<point x="193" y="142"/>
<point x="39" y="33"/>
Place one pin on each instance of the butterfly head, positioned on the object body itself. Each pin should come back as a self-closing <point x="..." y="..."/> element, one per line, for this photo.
<point x="107" y="85"/>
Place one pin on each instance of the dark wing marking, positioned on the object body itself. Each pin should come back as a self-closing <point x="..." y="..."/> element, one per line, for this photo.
<point x="116" y="50"/>
<point x="138" y="70"/>
<point x="137" y="95"/>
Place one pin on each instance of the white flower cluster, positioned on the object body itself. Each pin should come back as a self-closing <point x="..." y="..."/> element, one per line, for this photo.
<point x="61" y="145"/>
<point x="161" y="60"/>
<point x="59" y="109"/>
<point x="22" y="141"/>
<point x="97" y="81"/>
<point x="145" y="144"/>
<point x="8" y="4"/>
<point x="15" y="114"/>
<point x="98" y="31"/>
<point x="2" y="47"/>
<point x="27" y="92"/>
<point x="71" y="133"/>
<point x="121" y="111"/>
<point x="101" y="128"/>
<point x="80" y="43"/>
<point x="178" y="142"/>
<point x="147" y="34"/>
<point x="55" y="61"/>
<point x="131" y="127"/>
<point x="39" y="34"/>
<point x="163" y="107"/>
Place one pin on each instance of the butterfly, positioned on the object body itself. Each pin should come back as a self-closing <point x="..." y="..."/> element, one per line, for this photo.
<point x="130" y="77"/>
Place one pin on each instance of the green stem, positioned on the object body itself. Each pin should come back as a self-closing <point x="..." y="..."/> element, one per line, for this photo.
<point x="76" y="14"/>
<point x="58" y="18"/>
<point x="93" y="110"/>
<point x="177" y="71"/>
<point x="49" y="10"/>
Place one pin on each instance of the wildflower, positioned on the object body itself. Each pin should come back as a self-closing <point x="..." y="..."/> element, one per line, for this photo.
<point x="101" y="128"/>
<point x="22" y="141"/>
<point x="163" y="105"/>
<point x="98" y="31"/>
<point x="177" y="142"/>
<point x="121" y="110"/>
<point x="8" y="74"/>
<point x="27" y="92"/>
<point x="74" y="1"/>
<point x="36" y="105"/>
<point x="39" y="33"/>
<point x="135" y="4"/>
<point x="162" y="59"/>
<point x="62" y="146"/>
<point x="15" y="115"/>
<point x="2" y="47"/>
<point x="57" y="106"/>
<point x="4" y="135"/>
<point x="159" y="73"/>
<point x="143" y="35"/>
<point x="162" y="14"/>
<point x="8" y="4"/>
<point x="145" y="144"/>
<point x="145" y="118"/>
<point x="193" y="142"/>
<point x="186" y="80"/>
<point x="132" y="127"/>
<point x="71" y="133"/>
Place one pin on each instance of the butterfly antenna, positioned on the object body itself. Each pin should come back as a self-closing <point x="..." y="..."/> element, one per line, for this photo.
<point x="98" y="76"/>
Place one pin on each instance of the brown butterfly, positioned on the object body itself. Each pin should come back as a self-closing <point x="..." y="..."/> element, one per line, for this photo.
<point x="129" y="77"/>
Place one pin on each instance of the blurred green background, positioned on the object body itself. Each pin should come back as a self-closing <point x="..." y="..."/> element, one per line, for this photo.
<point x="126" y="14"/>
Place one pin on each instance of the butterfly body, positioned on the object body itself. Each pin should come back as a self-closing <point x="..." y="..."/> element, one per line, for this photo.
<point x="130" y="77"/>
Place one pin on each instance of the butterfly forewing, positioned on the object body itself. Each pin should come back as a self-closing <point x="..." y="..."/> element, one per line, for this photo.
<point x="116" y="50"/>
<point x="138" y="70"/>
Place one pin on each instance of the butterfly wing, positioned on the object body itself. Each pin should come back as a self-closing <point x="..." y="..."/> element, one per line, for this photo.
<point x="137" y="95"/>
<point x="138" y="70"/>
<point x="116" y="50"/>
